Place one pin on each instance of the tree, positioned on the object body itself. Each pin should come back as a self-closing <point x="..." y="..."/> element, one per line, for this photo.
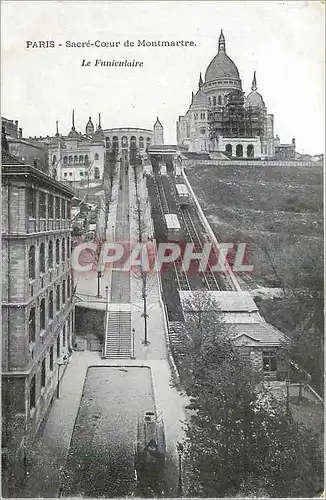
<point x="239" y="439"/>
<point x="145" y="278"/>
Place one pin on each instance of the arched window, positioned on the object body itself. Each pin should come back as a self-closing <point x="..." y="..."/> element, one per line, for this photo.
<point x="65" y="160"/>
<point x="57" y="298"/>
<point x="141" y="142"/>
<point x="115" y="143"/>
<point x="97" y="156"/>
<point x="148" y="141"/>
<point x="68" y="247"/>
<point x="81" y="159"/>
<point x="31" y="263"/>
<point x="42" y="315"/>
<point x="86" y="160"/>
<point x="68" y="287"/>
<point x="219" y="100"/>
<point x="239" y="151"/>
<point x="133" y="141"/>
<point x="63" y="295"/>
<point x="225" y="99"/>
<point x="50" y="257"/>
<point x="63" y="249"/>
<point x="42" y="258"/>
<point x="250" y="151"/>
<point x="214" y="100"/>
<point x="57" y="252"/>
<point x="51" y="305"/>
<point x="50" y="206"/>
<point x="70" y="160"/>
<point x="209" y="101"/>
<point x="58" y="346"/>
<point x="228" y="149"/>
<point x="31" y="325"/>
<point x="124" y="141"/>
<point x="96" y="173"/>
<point x="75" y="159"/>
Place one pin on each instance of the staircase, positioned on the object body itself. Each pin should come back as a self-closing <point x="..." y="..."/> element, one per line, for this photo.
<point x="178" y="336"/>
<point x="118" y="335"/>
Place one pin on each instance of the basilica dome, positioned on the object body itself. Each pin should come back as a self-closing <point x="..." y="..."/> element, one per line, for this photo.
<point x="221" y="67"/>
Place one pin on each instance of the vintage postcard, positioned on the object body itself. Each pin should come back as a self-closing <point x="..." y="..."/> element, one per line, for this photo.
<point x="162" y="249"/>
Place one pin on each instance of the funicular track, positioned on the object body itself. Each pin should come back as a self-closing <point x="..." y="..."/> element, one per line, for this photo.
<point x="180" y="273"/>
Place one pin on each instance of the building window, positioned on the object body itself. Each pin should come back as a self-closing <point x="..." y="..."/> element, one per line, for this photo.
<point x="269" y="361"/>
<point x="75" y="159"/>
<point x="58" y="346"/>
<point x="63" y="249"/>
<point x="86" y="160"/>
<point x="63" y="209"/>
<point x="50" y="256"/>
<point x="42" y="258"/>
<point x="148" y="141"/>
<point x="51" y="305"/>
<point x="250" y="151"/>
<point x="141" y="142"/>
<point x="202" y="116"/>
<point x="50" y="206"/>
<point x="209" y="101"/>
<point x="43" y="373"/>
<point x="68" y="287"/>
<point x="42" y="315"/>
<point x="81" y="173"/>
<point x="188" y="131"/>
<point x="65" y="160"/>
<point x="51" y="358"/>
<point x="68" y="247"/>
<point x="57" y="208"/>
<point x="195" y="116"/>
<point x="42" y="205"/>
<point x="70" y="160"/>
<point x="68" y="210"/>
<point x="96" y="173"/>
<point x="70" y="174"/>
<point x="228" y="149"/>
<point x="57" y="252"/>
<point x="219" y="100"/>
<point x="32" y="393"/>
<point x="214" y="100"/>
<point x="97" y="157"/>
<point x="63" y="291"/>
<point x="239" y="151"/>
<point x="31" y="325"/>
<point x="54" y="159"/>
<point x="31" y="203"/>
<point x="65" y="174"/>
<point x="31" y="263"/>
<point x="81" y="159"/>
<point x="124" y="142"/>
<point x="225" y="99"/>
<point x="64" y="336"/>
<point x="58" y="298"/>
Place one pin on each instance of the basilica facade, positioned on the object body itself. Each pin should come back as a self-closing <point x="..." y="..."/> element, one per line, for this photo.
<point x="220" y="116"/>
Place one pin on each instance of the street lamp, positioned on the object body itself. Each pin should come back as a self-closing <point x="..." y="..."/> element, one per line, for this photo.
<point x="180" y="485"/>
<point x="64" y="362"/>
<point x="133" y="343"/>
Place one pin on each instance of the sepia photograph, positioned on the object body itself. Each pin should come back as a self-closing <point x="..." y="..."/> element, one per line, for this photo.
<point x="162" y="269"/>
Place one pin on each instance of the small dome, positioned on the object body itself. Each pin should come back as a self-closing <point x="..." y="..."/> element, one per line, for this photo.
<point x="200" y="100"/>
<point x="254" y="100"/>
<point x="73" y="133"/>
<point x="221" y="67"/>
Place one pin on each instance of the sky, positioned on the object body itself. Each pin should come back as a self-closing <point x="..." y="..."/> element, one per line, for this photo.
<point x="282" y="41"/>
